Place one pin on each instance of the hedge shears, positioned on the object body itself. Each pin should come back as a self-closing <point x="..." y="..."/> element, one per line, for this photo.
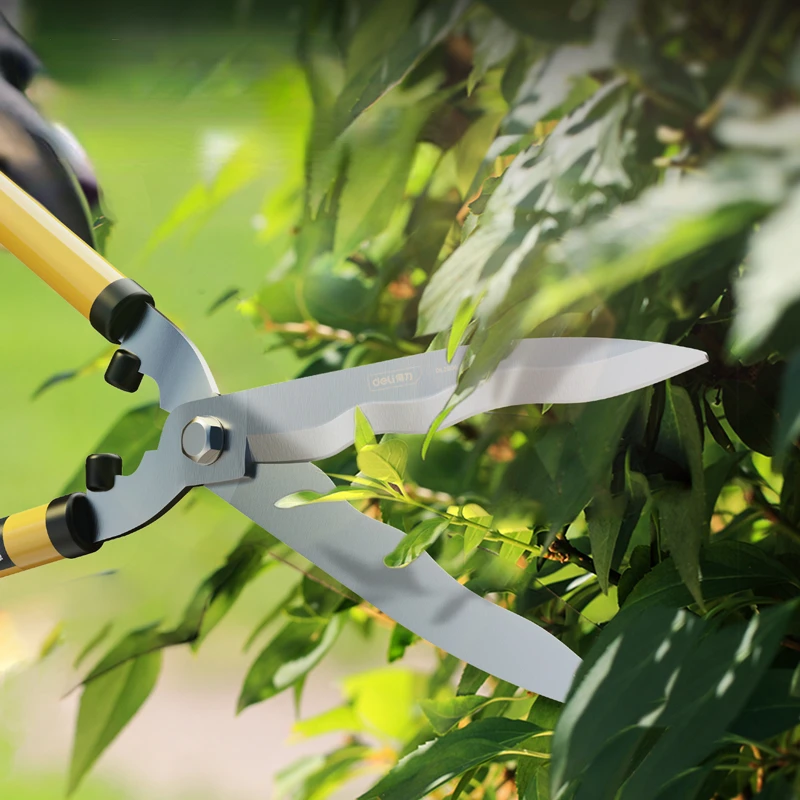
<point x="254" y="447"/>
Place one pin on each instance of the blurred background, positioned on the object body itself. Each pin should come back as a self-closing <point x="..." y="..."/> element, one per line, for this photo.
<point x="160" y="95"/>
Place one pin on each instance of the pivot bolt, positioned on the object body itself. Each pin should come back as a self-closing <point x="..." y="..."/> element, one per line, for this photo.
<point x="203" y="440"/>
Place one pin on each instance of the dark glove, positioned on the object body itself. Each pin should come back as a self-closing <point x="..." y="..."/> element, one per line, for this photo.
<point x="42" y="158"/>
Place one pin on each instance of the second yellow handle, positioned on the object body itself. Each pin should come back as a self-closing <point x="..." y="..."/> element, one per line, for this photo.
<point x="63" y="528"/>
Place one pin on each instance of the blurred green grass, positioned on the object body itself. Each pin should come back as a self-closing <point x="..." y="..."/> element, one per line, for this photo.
<point x="141" y="116"/>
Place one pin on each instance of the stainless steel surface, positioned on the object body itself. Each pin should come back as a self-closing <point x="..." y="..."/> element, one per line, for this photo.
<point x="202" y="440"/>
<point x="171" y="360"/>
<point x="422" y="596"/>
<point x="164" y="475"/>
<point x="313" y="418"/>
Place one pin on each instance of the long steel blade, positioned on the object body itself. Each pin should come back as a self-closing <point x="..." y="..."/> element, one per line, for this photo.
<point x="350" y="547"/>
<point x="312" y="418"/>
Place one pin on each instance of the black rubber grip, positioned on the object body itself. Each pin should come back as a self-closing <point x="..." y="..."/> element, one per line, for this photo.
<point x="71" y="525"/>
<point x="118" y="309"/>
<point x="5" y="559"/>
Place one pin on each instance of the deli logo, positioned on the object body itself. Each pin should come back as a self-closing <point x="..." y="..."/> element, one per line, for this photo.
<point x="394" y="379"/>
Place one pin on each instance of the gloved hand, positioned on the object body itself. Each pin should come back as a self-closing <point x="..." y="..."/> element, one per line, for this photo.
<point x="41" y="157"/>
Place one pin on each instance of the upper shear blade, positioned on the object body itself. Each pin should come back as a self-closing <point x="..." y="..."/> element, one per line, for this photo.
<point x="312" y="418"/>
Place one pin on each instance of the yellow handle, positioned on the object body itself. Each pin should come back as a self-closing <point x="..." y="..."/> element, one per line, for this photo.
<point x="63" y="528"/>
<point x="109" y="300"/>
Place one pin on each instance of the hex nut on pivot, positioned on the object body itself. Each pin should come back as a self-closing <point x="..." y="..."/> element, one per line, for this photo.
<point x="203" y="440"/>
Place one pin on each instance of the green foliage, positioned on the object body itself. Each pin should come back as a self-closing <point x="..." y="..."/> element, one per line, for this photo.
<point x="478" y="173"/>
<point x="434" y="763"/>
<point x="107" y="705"/>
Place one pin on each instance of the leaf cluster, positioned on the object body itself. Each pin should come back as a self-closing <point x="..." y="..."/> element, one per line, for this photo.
<point x="479" y="173"/>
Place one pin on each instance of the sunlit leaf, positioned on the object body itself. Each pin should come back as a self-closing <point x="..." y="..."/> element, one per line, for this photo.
<point x="771" y="284"/>
<point x="385" y="461"/>
<point x="462" y="319"/>
<point x="364" y="433"/>
<point x="339" y="494"/>
<point x="416" y="542"/>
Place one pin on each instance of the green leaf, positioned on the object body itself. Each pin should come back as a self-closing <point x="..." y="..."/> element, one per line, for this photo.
<point x="533" y="779"/>
<point x="726" y="567"/>
<point x="324" y="596"/>
<point x="133" y="433"/>
<point x="443" y="759"/>
<point x="364" y="434"/>
<point x="416" y="542"/>
<point x="317" y="777"/>
<point x="750" y="415"/>
<point x="638" y="566"/>
<point x="336" y="495"/>
<point x="682" y="511"/>
<point x="777" y="788"/>
<point x="52" y="641"/>
<point x="373" y="76"/>
<point x="493" y="46"/>
<point x="471" y="680"/>
<point x="93" y="644"/>
<point x="298" y="648"/>
<point x="280" y="607"/>
<point x="401" y="639"/>
<point x="463" y="784"/>
<point x="386" y="700"/>
<point x="551" y="22"/>
<point x="385" y="461"/>
<point x="664" y="685"/>
<point x="217" y="594"/>
<point x="604" y="520"/>
<point x="474" y="535"/>
<point x="336" y="720"/>
<point x="97" y="364"/>
<point x="770" y="285"/>
<point x="140" y="642"/>
<point x="380" y="152"/>
<point x="715" y="428"/>
<point x="788" y="420"/>
<point x="770" y="710"/>
<point x="446" y="714"/>
<point x="567" y="461"/>
<point x="440" y="418"/>
<point x="240" y="166"/>
<point x="790" y="491"/>
<point x="460" y="323"/>
<point x="107" y="705"/>
<point x="664" y="226"/>
<point x="552" y="81"/>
